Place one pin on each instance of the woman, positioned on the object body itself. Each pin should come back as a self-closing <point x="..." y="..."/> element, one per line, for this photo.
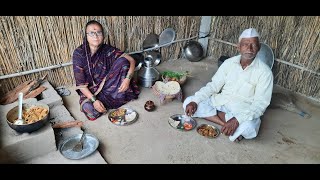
<point x="103" y="74"/>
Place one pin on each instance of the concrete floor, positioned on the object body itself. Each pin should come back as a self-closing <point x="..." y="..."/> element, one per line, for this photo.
<point x="284" y="137"/>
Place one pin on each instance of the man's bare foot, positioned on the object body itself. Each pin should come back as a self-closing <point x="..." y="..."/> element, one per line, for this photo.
<point x="216" y="119"/>
<point x="239" y="138"/>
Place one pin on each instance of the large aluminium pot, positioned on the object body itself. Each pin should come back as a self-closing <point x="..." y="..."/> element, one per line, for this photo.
<point x="193" y="51"/>
<point x="12" y="115"/>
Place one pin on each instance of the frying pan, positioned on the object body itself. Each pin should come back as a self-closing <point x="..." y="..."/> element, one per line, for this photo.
<point x="151" y="41"/>
<point x="12" y="115"/>
<point x="193" y="51"/>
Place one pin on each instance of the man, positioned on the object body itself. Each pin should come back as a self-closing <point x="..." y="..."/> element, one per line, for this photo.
<point x="239" y="92"/>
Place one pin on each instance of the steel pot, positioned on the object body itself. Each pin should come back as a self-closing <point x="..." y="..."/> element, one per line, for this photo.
<point x="193" y="51"/>
<point x="12" y="115"/>
<point x="148" y="74"/>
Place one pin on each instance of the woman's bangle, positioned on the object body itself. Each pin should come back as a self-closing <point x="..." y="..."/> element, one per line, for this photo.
<point x="129" y="76"/>
<point x="93" y="99"/>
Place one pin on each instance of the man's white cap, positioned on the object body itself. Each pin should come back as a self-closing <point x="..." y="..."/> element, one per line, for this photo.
<point x="249" y="33"/>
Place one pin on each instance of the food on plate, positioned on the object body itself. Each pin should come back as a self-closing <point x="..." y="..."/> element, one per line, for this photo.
<point x="119" y="112"/>
<point x="187" y="126"/>
<point x="207" y="131"/>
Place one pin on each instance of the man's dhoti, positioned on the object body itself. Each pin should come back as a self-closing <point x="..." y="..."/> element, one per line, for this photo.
<point x="248" y="129"/>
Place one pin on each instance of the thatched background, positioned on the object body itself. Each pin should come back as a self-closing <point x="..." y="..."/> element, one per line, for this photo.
<point x="294" y="39"/>
<point x="28" y="43"/>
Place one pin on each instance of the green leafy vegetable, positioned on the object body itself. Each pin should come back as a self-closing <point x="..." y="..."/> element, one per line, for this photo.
<point x="173" y="74"/>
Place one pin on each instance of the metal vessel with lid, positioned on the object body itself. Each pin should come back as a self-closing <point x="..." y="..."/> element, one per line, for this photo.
<point x="148" y="74"/>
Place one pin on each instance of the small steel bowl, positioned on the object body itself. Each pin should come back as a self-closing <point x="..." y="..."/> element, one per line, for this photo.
<point x="208" y="127"/>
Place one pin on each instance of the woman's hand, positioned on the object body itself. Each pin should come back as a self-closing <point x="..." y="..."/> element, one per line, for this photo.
<point x="191" y="108"/>
<point x="124" y="85"/>
<point x="99" y="106"/>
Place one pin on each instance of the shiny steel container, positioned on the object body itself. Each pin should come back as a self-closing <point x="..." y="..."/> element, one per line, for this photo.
<point x="148" y="74"/>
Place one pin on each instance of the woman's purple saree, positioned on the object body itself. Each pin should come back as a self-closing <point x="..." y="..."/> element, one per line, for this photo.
<point x="91" y="71"/>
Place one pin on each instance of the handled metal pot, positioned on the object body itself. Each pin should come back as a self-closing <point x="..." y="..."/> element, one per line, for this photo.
<point x="12" y="115"/>
<point x="193" y="51"/>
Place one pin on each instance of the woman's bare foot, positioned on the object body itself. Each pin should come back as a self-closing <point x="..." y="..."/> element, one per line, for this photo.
<point x="216" y="119"/>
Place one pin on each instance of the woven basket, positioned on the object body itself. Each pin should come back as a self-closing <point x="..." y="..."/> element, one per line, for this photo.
<point x="181" y="81"/>
<point x="159" y="89"/>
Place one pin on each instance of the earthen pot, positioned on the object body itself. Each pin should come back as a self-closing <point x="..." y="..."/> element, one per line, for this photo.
<point x="149" y="106"/>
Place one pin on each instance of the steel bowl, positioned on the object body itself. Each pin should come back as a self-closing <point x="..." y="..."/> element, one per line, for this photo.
<point x="193" y="51"/>
<point x="155" y="56"/>
<point x="12" y="115"/>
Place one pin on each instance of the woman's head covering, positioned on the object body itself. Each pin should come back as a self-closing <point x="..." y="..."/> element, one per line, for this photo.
<point x="249" y="33"/>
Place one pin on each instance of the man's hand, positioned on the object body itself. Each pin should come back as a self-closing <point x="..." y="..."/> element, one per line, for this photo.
<point x="99" y="106"/>
<point x="230" y="127"/>
<point x="191" y="108"/>
<point x="124" y="85"/>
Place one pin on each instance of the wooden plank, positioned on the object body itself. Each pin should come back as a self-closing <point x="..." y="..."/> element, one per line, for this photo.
<point x="35" y="92"/>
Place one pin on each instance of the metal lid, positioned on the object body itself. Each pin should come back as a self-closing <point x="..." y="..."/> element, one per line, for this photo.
<point x="266" y="55"/>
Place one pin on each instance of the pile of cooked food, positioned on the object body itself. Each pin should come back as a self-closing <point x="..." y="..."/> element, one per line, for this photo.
<point x="207" y="131"/>
<point x="33" y="114"/>
<point x="119" y="112"/>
